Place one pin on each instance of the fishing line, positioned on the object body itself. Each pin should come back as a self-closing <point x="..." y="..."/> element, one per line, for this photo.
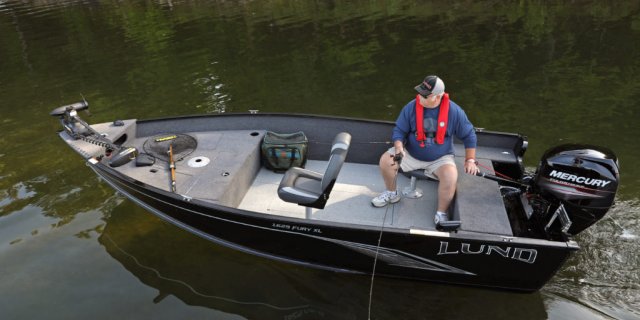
<point x="397" y="159"/>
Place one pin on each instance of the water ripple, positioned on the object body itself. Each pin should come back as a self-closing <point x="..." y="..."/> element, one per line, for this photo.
<point x="39" y="8"/>
<point x="214" y="97"/>
<point x="605" y="274"/>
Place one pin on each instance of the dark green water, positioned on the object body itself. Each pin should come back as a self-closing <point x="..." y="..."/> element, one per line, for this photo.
<point x="70" y="248"/>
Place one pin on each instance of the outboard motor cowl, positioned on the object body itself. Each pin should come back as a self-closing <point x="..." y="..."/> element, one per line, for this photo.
<point x="582" y="178"/>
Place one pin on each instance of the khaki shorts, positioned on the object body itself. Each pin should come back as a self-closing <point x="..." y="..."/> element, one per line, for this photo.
<point x="410" y="163"/>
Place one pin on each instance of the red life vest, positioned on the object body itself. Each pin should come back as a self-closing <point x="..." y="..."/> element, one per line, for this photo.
<point x="443" y="120"/>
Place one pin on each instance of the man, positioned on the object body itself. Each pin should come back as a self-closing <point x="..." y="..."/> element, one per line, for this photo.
<point x="429" y="149"/>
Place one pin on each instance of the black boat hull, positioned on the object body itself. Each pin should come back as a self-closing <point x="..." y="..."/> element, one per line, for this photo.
<point x="502" y="262"/>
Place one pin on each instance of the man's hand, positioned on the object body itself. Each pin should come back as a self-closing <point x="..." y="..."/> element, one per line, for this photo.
<point x="399" y="153"/>
<point x="471" y="167"/>
<point x="397" y="158"/>
<point x="400" y="150"/>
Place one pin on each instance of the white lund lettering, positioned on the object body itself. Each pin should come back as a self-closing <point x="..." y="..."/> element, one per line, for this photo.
<point x="443" y="248"/>
<point x="498" y="250"/>
<point x="518" y="254"/>
<point x="465" y="249"/>
<point x="525" y="255"/>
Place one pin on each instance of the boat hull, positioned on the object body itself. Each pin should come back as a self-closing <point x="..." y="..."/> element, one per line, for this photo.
<point x="503" y="262"/>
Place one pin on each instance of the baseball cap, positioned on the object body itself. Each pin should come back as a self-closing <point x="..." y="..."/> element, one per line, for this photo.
<point x="431" y="84"/>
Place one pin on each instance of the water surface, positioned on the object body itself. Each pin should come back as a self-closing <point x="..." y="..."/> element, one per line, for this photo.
<point x="71" y="248"/>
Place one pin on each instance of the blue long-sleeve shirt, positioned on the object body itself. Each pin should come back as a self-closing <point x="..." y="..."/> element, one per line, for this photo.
<point x="458" y="126"/>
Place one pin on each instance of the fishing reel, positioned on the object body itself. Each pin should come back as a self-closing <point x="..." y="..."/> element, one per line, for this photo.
<point x="397" y="159"/>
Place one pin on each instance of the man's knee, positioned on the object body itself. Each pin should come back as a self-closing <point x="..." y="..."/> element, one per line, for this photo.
<point x="447" y="173"/>
<point x="386" y="160"/>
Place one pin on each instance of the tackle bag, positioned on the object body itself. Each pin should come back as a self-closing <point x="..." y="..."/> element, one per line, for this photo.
<point x="281" y="151"/>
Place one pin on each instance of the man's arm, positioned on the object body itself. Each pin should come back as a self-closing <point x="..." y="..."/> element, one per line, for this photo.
<point x="402" y="128"/>
<point x="470" y="162"/>
<point x="467" y="134"/>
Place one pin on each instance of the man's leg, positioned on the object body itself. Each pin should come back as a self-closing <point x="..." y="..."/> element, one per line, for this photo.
<point x="448" y="176"/>
<point x="388" y="170"/>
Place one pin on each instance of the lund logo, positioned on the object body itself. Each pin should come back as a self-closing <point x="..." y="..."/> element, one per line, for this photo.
<point x="577" y="179"/>
<point x="520" y="254"/>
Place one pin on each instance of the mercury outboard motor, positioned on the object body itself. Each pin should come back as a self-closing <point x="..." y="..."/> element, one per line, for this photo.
<point x="579" y="182"/>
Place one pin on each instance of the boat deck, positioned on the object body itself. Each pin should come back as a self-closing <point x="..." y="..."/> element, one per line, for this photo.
<point x="233" y="177"/>
<point x="350" y="199"/>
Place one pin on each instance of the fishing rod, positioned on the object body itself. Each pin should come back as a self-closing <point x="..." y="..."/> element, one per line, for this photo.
<point x="172" y="166"/>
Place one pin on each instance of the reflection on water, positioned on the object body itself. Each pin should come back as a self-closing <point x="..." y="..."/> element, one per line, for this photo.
<point x="557" y="72"/>
<point x="605" y="275"/>
<point x="201" y="273"/>
<point x="193" y="270"/>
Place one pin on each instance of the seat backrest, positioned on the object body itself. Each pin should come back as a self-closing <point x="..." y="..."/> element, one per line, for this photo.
<point x="339" y="149"/>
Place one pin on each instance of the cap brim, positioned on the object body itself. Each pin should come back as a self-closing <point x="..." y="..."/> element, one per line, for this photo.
<point x="422" y="91"/>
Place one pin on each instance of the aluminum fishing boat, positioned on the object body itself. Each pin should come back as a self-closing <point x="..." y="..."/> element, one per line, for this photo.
<point x="513" y="229"/>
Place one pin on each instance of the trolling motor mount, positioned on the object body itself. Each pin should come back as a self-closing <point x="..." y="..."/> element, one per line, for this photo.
<point x="70" y="120"/>
<point x="78" y="128"/>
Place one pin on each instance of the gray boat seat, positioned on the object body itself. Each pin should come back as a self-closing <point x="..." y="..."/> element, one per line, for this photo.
<point x="309" y="188"/>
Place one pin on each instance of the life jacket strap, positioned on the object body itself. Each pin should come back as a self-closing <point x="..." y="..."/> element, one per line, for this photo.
<point x="443" y="121"/>
<point x="420" y="122"/>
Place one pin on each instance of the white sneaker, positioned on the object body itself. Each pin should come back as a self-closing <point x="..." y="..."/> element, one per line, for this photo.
<point x="385" y="198"/>
<point x="440" y="217"/>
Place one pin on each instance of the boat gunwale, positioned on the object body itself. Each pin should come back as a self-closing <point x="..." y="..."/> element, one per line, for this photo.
<point x="305" y="115"/>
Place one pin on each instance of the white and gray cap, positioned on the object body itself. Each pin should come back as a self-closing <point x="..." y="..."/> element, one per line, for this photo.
<point x="431" y="84"/>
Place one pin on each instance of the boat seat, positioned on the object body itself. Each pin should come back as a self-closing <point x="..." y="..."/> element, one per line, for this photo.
<point x="309" y="188"/>
<point x="412" y="191"/>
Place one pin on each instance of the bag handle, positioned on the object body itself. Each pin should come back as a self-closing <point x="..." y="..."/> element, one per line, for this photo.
<point x="292" y="158"/>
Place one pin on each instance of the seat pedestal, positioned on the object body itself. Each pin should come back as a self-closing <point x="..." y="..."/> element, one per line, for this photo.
<point x="412" y="191"/>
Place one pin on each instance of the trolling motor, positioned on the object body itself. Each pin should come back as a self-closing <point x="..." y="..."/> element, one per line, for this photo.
<point x="70" y="120"/>
<point x="80" y="130"/>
